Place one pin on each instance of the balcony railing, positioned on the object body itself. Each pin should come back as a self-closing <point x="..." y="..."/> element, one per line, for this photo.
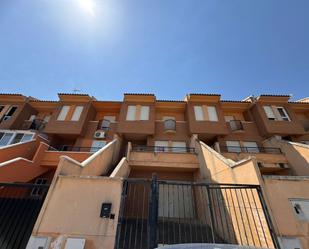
<point x="144" y="148"/>
<point x="104" y="125"/>
<point x="73" y="148"/>
<point x="36" y="124"/>
<point x="236" y="125"/>
<point x="169" y="125"/>
<point x="240" y="149"/>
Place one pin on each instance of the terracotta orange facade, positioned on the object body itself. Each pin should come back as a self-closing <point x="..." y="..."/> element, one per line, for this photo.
<point x="91" y="152"/>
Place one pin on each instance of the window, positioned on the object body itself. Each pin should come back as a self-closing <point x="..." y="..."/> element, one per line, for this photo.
<point x="9" y="113"/>
<point x="301" y="208"/>
<point x="290" y="243"/>
<point x="179" y="147"/>
<point x="269" y="112"/>
<point x="26" y="137"/>
<point x="63" y="113"/>
<point x="131" y="112"/>
<point x="233" y="146"/>
<point x="5" y="139"/>
<point x="276" y="113"/>
<point x="32" y="117"/>
<point x="161" y="146"/>
<point x="228" y="118"/>
<point x="111" y="119"/>
<point x="144" y="113"/>
<point x="97" y="145"/>
<point x="77" y="112"/>
<point x="38" y="191"/>
<point x="199" y="115"/>
<point x="251" y="147"/>
<point x="283" y="114"/>
<point x="212" y="113"/>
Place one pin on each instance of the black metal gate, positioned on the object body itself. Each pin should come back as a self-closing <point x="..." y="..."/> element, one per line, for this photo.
<point x="156" y="213"/>
<point x="20" y="205"/>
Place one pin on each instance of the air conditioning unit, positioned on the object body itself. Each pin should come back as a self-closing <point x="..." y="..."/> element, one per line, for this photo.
<point x="99" y="134"/>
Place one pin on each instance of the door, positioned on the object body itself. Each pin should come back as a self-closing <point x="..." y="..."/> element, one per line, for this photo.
<point x="161" y="146"/>
<point x="179" y="147"/>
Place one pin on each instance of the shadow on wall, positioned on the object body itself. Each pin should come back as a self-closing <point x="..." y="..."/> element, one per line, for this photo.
<point x="297" y="154"/>
<point x="242" y="205"/>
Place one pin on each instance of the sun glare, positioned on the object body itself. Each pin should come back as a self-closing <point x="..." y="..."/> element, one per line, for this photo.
<point x="88" y="6"/>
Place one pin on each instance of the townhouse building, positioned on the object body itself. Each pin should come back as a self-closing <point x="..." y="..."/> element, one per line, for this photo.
<point x="147" y="173"/>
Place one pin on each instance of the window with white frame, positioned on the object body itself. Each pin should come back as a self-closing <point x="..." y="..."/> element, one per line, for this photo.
<point x="144" y="113"/>
<point x="179" y="146"/>
<point x="278" y="113"/>
<point x="97" y="145"/>
<point x="9" y="113"/>
<point x="161" y="146"/>
<point x="269" y="112"/>
<point x="301" y="208"/>
<point x="283" y="115"/>
<point x="233" y="146"/>
<point x="251" y="147"/>
<point x="77" y="112"/>
<point x="63" y="113"/>
<point x="199" y="115"/>
<point x="212" y="113"/>
<point x="7" y="137"/>
<point x="131" y="113"/>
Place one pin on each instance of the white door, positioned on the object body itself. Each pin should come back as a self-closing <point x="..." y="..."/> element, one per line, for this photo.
<point x="161" y="146"/>
<point x="233" y="146"/>
<point x="251" y="147"/>
<point x="179" y="146"/>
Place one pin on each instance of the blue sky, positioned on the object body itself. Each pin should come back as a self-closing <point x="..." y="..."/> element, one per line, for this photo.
<point x="167" y="47"/>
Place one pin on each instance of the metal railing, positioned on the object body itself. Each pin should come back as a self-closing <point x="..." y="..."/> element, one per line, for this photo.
<point x="156" y="213"/>
<point x="73" y="148"/>
<point x="20" y="205"/>
<point x="36" y="124"/>
<point x="145" y="148"/>
<point x="169" y="125"/>
<point x="241" y="149"/>
<point x="236" y="125"/>
<point x="104" y="125"/>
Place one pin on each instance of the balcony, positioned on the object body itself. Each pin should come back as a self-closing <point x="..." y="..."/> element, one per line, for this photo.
<point x="236" y="125"/>
<point x="36" y="124"/>
<point x="241" y="149"/>
<point x="73" y="148"/>
<point x="158" y="149"/>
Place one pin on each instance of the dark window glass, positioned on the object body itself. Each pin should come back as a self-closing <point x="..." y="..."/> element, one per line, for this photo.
<point x="17" y="138"/>
<point x="11" y="111"/>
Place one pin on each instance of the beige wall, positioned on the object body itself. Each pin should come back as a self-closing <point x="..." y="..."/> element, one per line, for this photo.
<point x="296" y="154"/>
<point x="278" y="191"/>
<point x="73" y="207"/>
